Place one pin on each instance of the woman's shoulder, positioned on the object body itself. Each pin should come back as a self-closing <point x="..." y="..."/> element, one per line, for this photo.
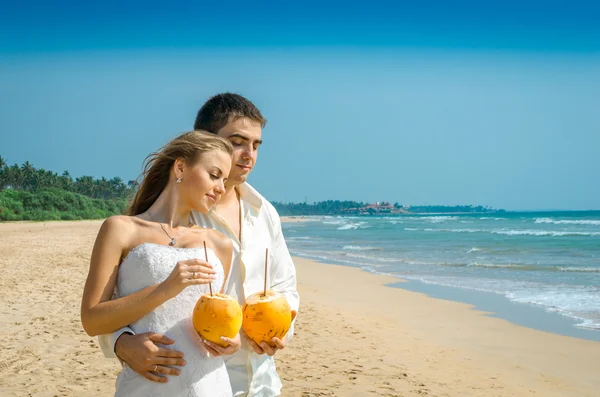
<point x="120" y="221"/>
<point x="120" y="226"/>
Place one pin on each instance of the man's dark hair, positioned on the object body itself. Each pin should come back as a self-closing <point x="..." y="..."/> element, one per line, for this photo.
<point x="223" y="108"/>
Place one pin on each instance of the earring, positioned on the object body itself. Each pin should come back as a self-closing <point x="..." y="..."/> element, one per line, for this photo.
<point x="179" y="180"/>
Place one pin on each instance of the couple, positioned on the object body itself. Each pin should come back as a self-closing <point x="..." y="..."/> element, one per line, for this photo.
<point x="149" y="268"/>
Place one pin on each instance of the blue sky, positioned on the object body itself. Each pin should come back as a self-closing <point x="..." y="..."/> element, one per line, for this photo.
<point x="490" y="104"/>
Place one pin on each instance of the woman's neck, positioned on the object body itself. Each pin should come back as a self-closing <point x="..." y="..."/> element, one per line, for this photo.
<point x="168" y="209"/>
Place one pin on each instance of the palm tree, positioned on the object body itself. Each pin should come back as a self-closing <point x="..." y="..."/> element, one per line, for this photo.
<point x="15" y="177"/>
<point x="27" y="171"/>
<point x="66" y="181"/>
<point x="3" y="173"/>
<point x="85" y="185"/>
<point x="117" y="187"/>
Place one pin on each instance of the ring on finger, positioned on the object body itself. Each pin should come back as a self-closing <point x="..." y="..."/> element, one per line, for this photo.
<point x="193" y="274"/>
<point x="155" y="367"/>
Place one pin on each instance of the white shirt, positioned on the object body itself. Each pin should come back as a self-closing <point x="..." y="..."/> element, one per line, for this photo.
<point x="250" y="374"/>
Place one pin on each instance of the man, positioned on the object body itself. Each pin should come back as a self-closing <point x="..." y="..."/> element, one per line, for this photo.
<point x="253" y="225"/>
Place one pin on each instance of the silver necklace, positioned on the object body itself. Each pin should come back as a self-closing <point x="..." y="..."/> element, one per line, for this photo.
<point x="173" y="239"/>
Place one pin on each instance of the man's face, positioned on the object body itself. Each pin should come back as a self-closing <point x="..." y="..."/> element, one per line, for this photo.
<point x="246" y="136"/>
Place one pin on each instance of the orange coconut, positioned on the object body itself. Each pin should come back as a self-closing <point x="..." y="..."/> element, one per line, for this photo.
<point x="215" y="316"/>
<point x="266" y="316"/>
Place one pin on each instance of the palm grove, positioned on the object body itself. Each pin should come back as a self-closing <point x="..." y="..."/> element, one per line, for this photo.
<point x="27" y="193"/>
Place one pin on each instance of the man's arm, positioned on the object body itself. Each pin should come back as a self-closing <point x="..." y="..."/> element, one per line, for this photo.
<point x="108" y="341"/>
<point x="283" y="280"/>
<point x="283" y="271"/>
<point x="143" y="354"/>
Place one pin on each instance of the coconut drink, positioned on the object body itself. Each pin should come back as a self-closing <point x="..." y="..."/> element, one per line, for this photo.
<point x="215" y="316"/>
<point x="266" y="314"/>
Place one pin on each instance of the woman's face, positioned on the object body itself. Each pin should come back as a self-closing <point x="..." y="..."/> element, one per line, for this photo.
<point x="203" y="182"/>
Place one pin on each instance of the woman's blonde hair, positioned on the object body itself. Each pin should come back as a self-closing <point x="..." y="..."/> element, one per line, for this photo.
<point x="188" y="147"/>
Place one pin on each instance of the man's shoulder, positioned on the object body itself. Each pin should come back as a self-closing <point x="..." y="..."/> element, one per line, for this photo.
<point x="266" y="204"/>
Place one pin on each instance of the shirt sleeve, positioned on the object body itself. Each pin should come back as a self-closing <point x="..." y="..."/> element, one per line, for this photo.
<point x="283" y="274"/>
<point x="108" y="341"/>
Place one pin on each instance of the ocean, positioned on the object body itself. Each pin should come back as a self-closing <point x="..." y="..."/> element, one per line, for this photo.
<point x="550" y="260"/>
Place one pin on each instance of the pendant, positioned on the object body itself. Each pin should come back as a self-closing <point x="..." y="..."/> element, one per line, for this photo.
<point x="173" y="242"/>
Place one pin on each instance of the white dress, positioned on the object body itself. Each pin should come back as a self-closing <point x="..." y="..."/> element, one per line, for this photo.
<point x="203" y="375"/>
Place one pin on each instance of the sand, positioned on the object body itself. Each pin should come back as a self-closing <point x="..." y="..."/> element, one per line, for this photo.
<point x="353" y="338"/>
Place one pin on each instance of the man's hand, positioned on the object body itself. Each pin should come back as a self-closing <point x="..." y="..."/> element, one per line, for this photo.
<point x="143" y="355"/>
<point x="265" y="348"/>
<point x="216" y="350"/>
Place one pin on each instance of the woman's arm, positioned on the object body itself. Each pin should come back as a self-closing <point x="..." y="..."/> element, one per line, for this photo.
<point x="100" y="314"/>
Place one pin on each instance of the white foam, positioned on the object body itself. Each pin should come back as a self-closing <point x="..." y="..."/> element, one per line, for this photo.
<point x="360" y="248"/>
<point x="552" y="233"/>
<point x="580" y="269"/>
<point x="568" y="222"/>
<point x="589" y="324"/>
<point x="351" y="226"/>
<point x="499" y="266"/>
<point x="371" y="258"/>
<point x="430" y="219"/>
<point x="509" y="232"/>
<point x="581" y="303"/>
<point x="440" y="219"/>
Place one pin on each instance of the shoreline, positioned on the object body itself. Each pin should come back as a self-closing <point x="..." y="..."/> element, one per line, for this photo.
<point x="498" y="306"/>
<point x="494" y="305"/>
<point x="442" y="339"/>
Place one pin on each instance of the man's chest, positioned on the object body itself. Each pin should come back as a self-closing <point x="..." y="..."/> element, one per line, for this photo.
<point x="231" y="218"/>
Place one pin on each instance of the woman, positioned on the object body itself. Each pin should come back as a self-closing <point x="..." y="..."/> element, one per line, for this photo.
<point x="154" y="259"/>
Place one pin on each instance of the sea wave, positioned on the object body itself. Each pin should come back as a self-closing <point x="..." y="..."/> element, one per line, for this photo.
<point x="523" y="267"/>
<point x="352" y="226"/>
<point x="360" y="248"/>
<point x="578" y="302"/>
<point x="510" y="232"/>
<point x="440" y="219"/>
<point x="578" y="269"/>
<point x="511" y="266"/>
<point x="592" y="222"/>
<point x="430" y="219"/>
<point x="334" y="222"/>
<point x="370" y="257"/>
<point x="551" y="233"/>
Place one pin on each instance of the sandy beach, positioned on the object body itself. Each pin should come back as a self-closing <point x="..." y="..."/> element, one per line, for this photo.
<point x="353" y="338"/>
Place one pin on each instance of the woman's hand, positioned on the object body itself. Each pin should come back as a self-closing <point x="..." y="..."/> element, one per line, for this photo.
<point x="215" y="350"/>
<point x="187" y="273"/>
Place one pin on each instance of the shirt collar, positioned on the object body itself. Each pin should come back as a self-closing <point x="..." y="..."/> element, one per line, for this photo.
<point x="250" y="195"/>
